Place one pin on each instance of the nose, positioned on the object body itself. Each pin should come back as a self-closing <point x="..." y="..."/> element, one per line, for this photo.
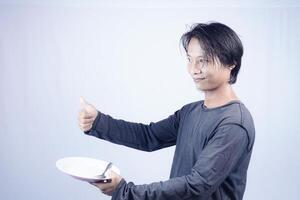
<point x="195" y="68"/>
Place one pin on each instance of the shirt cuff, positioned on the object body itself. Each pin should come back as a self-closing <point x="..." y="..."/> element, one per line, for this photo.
<point x="89" y="132"/>
<point x="117" y="194"/>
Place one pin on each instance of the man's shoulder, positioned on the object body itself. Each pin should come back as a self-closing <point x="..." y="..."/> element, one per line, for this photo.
<point x="238" y="114"/>
<point x="193" y="104"/>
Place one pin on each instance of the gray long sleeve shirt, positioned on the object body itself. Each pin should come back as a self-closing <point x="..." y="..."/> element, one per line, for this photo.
<point x="213" y="150"/>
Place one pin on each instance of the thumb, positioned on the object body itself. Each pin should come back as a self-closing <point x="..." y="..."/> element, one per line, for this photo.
<point x="87" y="107"/>
<point x="83" y="103"/>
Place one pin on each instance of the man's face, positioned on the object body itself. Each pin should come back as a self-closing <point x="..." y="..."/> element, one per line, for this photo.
<point x="207" y="75"/>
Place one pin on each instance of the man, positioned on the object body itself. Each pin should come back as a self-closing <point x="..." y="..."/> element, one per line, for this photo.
<point x="213" y="137"/>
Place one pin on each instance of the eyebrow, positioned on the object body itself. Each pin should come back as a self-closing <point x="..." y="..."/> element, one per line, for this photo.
<point x="196" y="57"/>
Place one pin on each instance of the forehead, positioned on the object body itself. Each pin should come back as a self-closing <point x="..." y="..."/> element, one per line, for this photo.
<point x="194" y="48"/>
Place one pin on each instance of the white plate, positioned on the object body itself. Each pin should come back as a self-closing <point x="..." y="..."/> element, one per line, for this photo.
<point x="85" y="169"/>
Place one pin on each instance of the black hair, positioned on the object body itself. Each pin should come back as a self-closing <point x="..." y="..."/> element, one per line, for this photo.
<point x="217" y="41"/>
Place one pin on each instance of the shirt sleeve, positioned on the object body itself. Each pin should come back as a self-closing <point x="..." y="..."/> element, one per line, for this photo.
<point x="137" y="135"/>
<point x="213" y="165"/>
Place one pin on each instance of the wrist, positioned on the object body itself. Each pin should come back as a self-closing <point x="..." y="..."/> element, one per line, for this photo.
<point x="118" y="191"/>
<point x="95" y="122"/>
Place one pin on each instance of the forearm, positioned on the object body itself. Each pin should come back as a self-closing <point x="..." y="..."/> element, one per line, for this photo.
<point x="135" y="135"/>
<point x="176" y="189"/>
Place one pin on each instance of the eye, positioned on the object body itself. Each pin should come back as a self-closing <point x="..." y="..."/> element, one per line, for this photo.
<point x="189" y="60"/>
<point x="202" y="60"/>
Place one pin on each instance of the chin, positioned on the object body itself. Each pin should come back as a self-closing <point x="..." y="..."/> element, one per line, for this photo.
<point x="204" y="88"/>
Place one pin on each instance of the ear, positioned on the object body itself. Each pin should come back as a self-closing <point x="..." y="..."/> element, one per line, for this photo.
<point x="231" y="67"/>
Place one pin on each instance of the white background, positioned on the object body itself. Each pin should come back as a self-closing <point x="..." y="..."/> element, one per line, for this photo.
<point x="125" y="58"/>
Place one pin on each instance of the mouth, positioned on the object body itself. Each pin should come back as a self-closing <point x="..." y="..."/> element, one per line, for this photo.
<point x="198" y="79"/>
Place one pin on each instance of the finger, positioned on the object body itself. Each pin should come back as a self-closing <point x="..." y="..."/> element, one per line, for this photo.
<point x="88" y="116"/>
<point x="85" y="106"/>
<point x="97" y="184"/>
<point x="104" y="187"/>
<point x="87" y="128"/>
<point x="84" y="126"/>
<point x="85" y="115"/>
<point x="105" y="191"/>
<point x="81" y="119"/>
<point x="83" y="112"/>
<point x="108" y="192"/>
<point x="84" y="130"/>
<point x="86" y="121"/>
<point x="82" y="102"/>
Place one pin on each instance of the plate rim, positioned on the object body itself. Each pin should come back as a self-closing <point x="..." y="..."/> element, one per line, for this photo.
<point x="90" y="179"/>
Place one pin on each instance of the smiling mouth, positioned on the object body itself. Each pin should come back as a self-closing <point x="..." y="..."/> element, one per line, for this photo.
<point x="198" y="79"/>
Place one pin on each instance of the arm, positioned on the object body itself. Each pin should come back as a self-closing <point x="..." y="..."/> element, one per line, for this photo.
<point x="136" y="135"/>
<point x="214" y="164"/>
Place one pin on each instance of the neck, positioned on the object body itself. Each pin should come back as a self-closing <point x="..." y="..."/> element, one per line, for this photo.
<point x="219" y="96"/>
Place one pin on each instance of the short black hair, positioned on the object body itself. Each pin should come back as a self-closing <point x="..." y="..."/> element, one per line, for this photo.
<point x="217" y="41"/>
